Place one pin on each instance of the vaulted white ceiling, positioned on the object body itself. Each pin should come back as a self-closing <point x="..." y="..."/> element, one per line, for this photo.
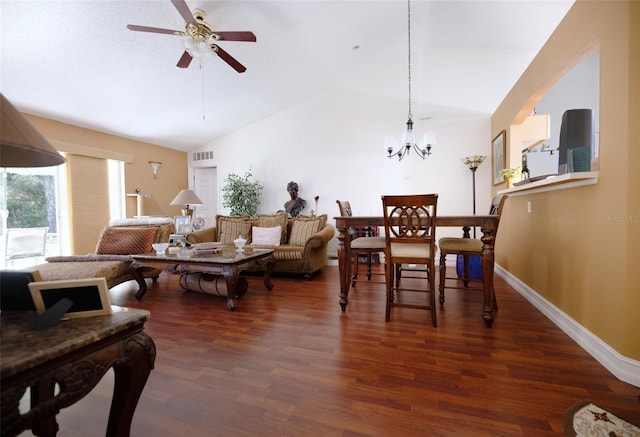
<point x="75" y="61"/>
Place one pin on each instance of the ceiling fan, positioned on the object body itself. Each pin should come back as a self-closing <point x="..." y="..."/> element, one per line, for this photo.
<point x="199" y="38"/>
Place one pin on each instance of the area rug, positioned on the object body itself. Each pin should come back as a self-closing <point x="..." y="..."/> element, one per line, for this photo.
<point x="587" y="419"/>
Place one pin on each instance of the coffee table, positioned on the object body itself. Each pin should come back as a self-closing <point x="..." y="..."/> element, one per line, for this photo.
<point x="228" y="262"/>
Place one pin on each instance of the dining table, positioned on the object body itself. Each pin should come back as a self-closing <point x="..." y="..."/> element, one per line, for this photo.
<point x="488" y="224"/>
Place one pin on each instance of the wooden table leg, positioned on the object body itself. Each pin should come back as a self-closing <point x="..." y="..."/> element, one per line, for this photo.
<point x="488" y="259"/>
<point x="270" y="265"/>
<point x="344" y="267"/>
<point x="131" y="372"/>
<point x="231" y="278"/>
<point x="42" y="393"/>
<point x="136" y="272"/>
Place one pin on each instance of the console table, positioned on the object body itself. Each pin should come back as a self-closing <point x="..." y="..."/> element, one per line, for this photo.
<point x="75" y="354"/>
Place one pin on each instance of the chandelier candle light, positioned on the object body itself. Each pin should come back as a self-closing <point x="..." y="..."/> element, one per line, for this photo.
<point x="408" y="141"/>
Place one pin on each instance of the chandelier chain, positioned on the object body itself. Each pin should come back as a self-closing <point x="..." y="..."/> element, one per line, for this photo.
<point x="409" y="46"/>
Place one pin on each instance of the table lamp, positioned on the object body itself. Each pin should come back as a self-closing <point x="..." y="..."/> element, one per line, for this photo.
<point x="21" y="145"/>
<point x="187" y="198"/>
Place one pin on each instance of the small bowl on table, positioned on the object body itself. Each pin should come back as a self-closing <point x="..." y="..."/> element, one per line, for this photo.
<point x="160" y="248"/>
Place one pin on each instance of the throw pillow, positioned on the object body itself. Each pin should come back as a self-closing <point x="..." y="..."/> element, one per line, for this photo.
<point x="126" y="240"/>
<point x="322" y="218"/>
<point x="229" y="228"/>
<point x="266" y="236"/>
<point x="302" y="230"/>
<point x="271" y="220"/>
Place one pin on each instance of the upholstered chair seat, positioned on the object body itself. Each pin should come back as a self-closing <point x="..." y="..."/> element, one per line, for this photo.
<point x="454" y="244"/>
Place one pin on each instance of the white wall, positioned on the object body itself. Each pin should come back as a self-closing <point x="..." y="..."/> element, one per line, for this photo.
<point x="333" y="146"/>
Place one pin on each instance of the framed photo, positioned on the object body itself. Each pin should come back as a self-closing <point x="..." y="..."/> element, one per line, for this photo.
<point x="183" y="224"/>
<point x="499" y="150"/>
<point x="182" y="220"/>
<point x="14" y="289"/>
<point x="90" y="297"/>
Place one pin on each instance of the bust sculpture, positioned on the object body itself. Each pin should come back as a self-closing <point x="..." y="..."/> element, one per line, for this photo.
<point x="295" y="205"/>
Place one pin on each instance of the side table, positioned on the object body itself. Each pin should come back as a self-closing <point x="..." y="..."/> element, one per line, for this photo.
<point x="75" y="354"/>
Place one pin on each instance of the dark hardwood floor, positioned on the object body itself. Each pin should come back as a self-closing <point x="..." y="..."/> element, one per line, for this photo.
<point x="290" y="363"/>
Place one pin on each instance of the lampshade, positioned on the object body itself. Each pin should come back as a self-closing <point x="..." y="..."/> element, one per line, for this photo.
<point x="473" y="162"/>
<point x="21" y="145"/>
<point x="186" y="197"/>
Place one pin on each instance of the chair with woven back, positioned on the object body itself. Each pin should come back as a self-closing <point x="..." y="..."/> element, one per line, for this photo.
<point x="364" y="243"/>
<point x="467" y="247"/>
<point x="410" y="233"/>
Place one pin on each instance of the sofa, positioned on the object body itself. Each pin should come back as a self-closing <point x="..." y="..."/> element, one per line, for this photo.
<point x="299" y="243"/>
<point x="112" y="256"/>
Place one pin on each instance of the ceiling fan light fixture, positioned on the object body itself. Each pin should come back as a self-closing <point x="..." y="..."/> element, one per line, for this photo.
<point x="197" y="48"/>
<point x="198" y="38"/>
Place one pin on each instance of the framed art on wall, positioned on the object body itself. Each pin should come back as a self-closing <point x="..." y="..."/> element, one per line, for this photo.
<point x="498" y="147"/>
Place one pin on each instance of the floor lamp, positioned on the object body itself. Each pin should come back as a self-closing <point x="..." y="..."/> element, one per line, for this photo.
<point x="473" y="162"/>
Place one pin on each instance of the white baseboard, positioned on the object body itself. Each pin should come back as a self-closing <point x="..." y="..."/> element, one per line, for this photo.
<point x="625" y="369"/>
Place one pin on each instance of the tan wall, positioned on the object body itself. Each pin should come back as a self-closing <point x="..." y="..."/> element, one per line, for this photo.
<point x="172" y="175"/>
<point x="579" y="247"/>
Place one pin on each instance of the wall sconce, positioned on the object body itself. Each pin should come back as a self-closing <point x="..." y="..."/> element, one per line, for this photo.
<point x="154" y="167"/>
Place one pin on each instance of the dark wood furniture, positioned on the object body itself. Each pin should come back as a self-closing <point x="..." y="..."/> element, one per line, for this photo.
<point x="74" y="355"/>
<point x="466" y="247"/>
<point x="410" y="238"/>
<point x="229" y="262"/>
<point x="487" y="223"/>
<point x="365" y="243"/>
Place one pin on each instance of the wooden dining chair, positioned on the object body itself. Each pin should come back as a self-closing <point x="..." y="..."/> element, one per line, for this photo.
<point x="467" y="247"/>
<point x="364" y="243"/>
<point x="410" y="233"/>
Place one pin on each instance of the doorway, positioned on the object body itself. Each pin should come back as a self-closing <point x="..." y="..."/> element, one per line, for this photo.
<point x="205" y="185"/>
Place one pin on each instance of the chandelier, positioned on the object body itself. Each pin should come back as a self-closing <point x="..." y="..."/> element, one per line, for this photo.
<point x="408" y="140"/>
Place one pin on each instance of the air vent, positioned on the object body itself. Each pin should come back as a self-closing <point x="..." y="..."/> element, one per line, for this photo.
<point x="202" y="156"/>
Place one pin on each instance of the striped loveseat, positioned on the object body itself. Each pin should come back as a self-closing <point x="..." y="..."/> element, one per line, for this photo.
<point x="299" y="243"/>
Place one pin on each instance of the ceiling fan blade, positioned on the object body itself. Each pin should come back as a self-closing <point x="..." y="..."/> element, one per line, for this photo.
<point x="226" y="57"/>
<point x="235" y="36"/>
<point x="184" y="10"/>
<point x="152" y="29"/>
<point x="185" y="60"/>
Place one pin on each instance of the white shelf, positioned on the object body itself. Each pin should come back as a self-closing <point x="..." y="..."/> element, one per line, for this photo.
<point x="552" y="183"/>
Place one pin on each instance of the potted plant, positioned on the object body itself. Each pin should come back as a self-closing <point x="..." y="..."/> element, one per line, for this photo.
<point x="509" y="174"/>
<point x="241" y="194"/>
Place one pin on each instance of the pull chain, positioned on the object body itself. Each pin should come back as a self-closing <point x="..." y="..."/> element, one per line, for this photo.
<point x="202" y="75"/>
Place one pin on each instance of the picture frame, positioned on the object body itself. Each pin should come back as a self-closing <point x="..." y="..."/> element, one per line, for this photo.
<point x="14" y="289"/>
<point x="182" y="223"/>
<point x="90" y="297"/>
<point x="181" y="220"/>
<point x="499" y="150"/>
